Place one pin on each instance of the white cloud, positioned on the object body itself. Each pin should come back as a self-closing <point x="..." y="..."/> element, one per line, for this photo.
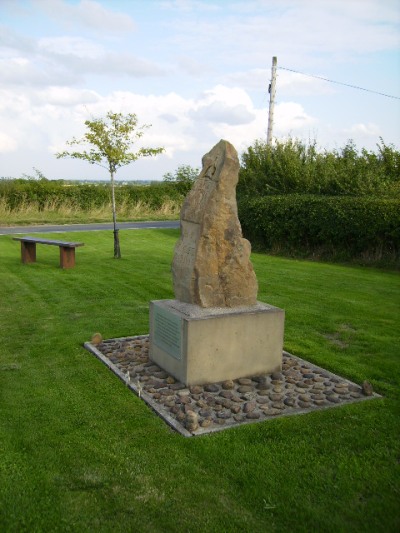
<point x="343" y="28"/>
<point x="216" y="112"/>
<point x="291" y="116"/>
<point x="255" y="78"/>
<point x="65" y="96"/>
<point x="70" y="46"/>
<point x="7" y="143"/>
<point x="292" y="83"/>
<point x="189" y="5"/>
<point x="85" y="56"/>
<point x="194" y="68"/>
<point x="364" y="130"/>
<point x="225" y="105"/>
<point x="67" y="60"/>
<point x="301" y="33"/>
<point x="13" y="104"/>
<point x="86" y="13"/>
<point x="11" y="43"/>
<point x="24" y="72"/>
<point x="173" y="132"/>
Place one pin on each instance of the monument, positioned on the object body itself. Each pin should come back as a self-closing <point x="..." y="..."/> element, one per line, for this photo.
<point x="214" y="329"/>
<point x="211" y="266"/>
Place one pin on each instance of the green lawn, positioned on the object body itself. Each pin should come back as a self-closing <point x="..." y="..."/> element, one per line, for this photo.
<point x="79" y="452"/>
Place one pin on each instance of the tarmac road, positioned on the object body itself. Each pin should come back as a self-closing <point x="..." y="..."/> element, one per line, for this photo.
<point x="17" y="230"/>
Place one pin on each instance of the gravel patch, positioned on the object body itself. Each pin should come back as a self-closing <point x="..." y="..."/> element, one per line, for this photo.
<point x="300" y="387"/>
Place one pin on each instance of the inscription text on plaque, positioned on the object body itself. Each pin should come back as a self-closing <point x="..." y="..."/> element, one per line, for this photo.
<point x="168" y="332"/>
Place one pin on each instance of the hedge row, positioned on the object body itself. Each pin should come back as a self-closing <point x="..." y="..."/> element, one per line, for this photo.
<point x="295" y="167"/>
<point x="335" y="227"/>
<point x="44" y="193"/>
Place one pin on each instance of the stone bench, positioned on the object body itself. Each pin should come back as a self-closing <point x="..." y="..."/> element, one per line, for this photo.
<point x="67" y="250"/>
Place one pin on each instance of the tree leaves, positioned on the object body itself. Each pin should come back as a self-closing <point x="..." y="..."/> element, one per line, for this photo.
<point x="111" y="140"/>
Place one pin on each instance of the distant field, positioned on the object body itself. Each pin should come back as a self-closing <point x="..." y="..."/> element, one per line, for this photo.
<point x="82" y="453"/>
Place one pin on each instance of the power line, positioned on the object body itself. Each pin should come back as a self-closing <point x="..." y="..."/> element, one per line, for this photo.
<point x="340" y="83"/>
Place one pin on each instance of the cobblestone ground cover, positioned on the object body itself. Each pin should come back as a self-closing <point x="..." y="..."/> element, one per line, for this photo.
<point x="299" y="388"/>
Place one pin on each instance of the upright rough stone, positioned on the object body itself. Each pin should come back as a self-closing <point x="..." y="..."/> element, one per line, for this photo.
<point x="211" y="266"/>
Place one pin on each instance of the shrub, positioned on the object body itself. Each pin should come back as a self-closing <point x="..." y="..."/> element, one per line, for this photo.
<point x="336" y="227"/>
<point x="45" y="194"/>
<point x="295" y="167"/>
<point x="182" y="179"/>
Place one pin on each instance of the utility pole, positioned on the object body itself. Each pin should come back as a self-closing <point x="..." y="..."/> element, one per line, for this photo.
<point x="272" y="93"/>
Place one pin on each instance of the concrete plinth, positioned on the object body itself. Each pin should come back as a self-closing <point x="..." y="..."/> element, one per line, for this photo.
<point x="204" y="345"/>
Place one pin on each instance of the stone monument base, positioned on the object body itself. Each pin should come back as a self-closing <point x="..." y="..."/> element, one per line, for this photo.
<point x="199" y="345"/>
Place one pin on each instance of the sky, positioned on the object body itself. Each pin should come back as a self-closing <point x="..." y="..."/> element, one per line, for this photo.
<point x="197" y="71"/>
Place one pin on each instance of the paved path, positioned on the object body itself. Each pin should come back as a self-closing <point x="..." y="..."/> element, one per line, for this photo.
<point x="14" y="230"/>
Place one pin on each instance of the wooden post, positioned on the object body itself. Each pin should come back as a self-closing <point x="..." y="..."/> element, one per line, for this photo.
<point x="28" y="252"/>
<point x="272" y="93"/>
<point x="67" y="257"/>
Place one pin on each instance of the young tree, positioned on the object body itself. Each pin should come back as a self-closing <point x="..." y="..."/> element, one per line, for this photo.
<point x="183" y="178"/>
<point x="109" y="141"/>
<point x="183" y="174"/>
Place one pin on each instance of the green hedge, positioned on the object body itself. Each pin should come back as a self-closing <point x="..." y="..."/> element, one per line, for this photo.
<point x="45" y="193"/>
<point x="295" y="167"/>
<point x="335" y="227"/>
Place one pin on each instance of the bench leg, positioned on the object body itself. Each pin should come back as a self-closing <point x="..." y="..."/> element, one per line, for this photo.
<point x="28" y="252"/>
<point x="67" y="257"/>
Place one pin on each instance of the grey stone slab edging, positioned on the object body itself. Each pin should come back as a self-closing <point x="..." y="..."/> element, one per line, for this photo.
<point x="140" y="393"/>
<point x="178" y="426"/>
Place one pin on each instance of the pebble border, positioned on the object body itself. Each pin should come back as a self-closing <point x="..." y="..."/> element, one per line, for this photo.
<point x="300" y="387"/>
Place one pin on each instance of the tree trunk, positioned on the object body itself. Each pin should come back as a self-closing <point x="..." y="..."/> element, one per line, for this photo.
<point x="117" y="249"/>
